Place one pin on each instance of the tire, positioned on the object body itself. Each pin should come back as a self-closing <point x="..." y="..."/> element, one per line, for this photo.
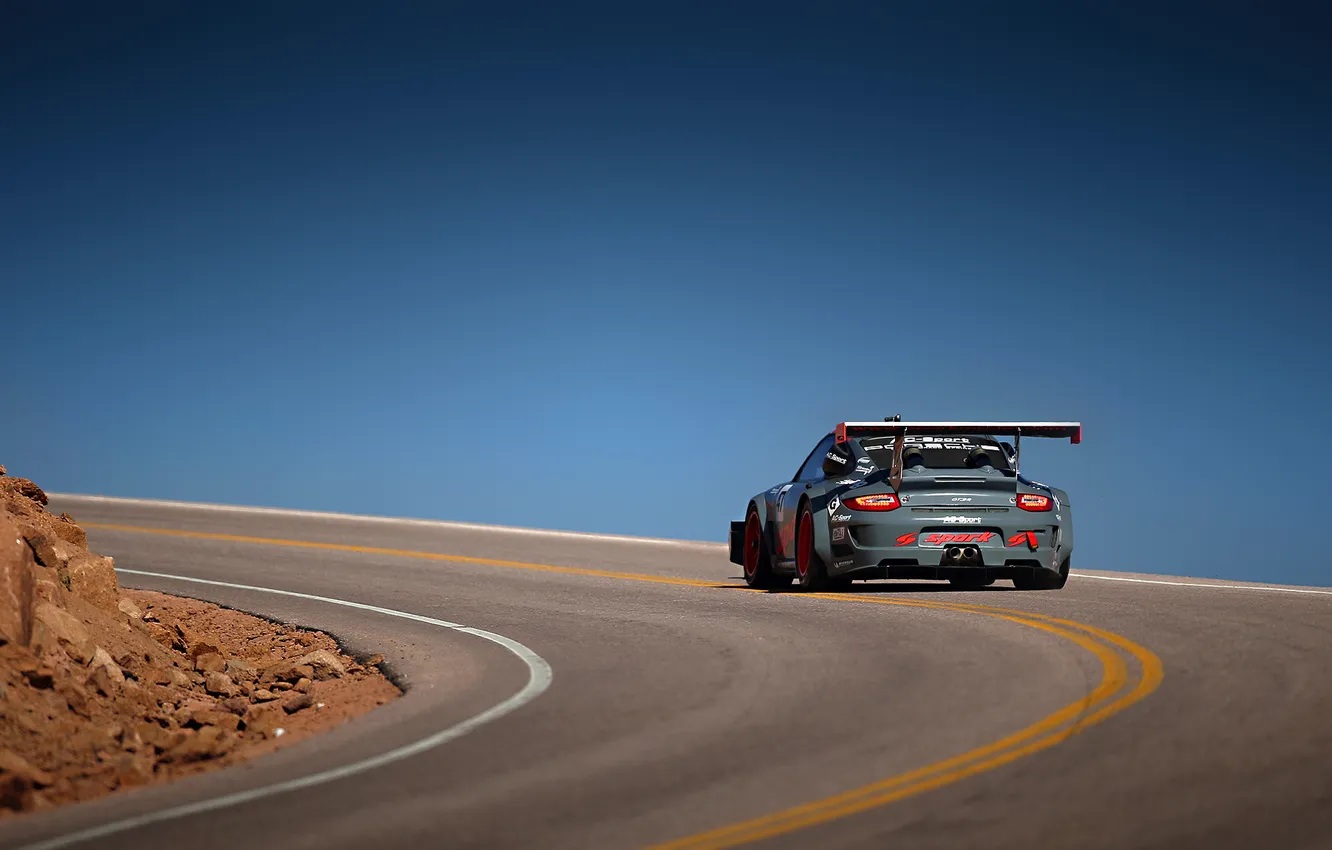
<point x="758" y="561"/>
<point x="1046" y="581"/>
<point x="810" y="572"/>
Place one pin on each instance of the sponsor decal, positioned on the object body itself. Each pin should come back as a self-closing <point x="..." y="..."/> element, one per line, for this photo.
<point x="1027" y="537"/>
<point x="834" y="456"/>
<point x="941" y="539"/>
<point x="863" y="483"/>
<point x="833" y="505"/>
<point x="773" y="491"/>
<point x="839" y="533"/>
<point x="845" y="562"/>
<point x="848" y="481"/>
<point x="961" y="498"/>
<point x="906" y="540"/>
<point x="780" y="494"/>
<point x="960" y="520"/>
<point x="864" y="470"/>
<point x="936" y="442"/>
<point x="840" y="518"/>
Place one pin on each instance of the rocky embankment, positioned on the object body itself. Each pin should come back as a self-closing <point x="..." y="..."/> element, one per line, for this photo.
<point x="104" y="689"/>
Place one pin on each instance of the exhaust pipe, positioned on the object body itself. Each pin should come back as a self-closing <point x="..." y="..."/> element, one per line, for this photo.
<point x="953" y="553"/>
<point x="970" y="553"/>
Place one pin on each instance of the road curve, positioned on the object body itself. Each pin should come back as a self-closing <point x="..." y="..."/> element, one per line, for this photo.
<point x="684" y="711"/>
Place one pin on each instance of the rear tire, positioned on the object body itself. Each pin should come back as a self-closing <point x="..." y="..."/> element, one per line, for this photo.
<point x="810" y="572"/>
<point x="1046" y="580"/>
<point x="758" y="561"/>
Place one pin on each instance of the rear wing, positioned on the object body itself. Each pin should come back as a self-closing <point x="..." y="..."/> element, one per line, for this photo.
<point x="1072" y="431"/>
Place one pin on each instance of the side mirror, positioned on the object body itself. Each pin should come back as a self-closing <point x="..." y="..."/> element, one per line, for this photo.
<point x="837" y="461"/>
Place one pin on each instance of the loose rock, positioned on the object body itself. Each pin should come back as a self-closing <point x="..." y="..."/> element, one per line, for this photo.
<point x="39" y="677"/>
<point x="264" y="719"/>
<point x="102" y="681"/>
<point x="49" y="550"/>
<point x="56" y="628"/>
<point x="206" y="743"/>
<point x="286" y="672"/>
<point x="241" y="671"/>
<point x="152" y="735"/>
<point x="18" y="577"/>
<point x="19" y="781"/>
<point x="132" y="770"/>
<point x="219" y="684"/>
<point x="12" y="762"/>
<point x="127" y="607"/>
<point x="225" y="720"/>
<point x="26" y="488"/>
<point x="200" y="648"/>
<point x="94" y="578"/>
<point x="102" y="660"/>
<point x="325" y="664"/>
<point x="210" y="662"/>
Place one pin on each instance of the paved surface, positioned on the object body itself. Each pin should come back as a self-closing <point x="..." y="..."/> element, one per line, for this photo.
<point x="683" y="707"/>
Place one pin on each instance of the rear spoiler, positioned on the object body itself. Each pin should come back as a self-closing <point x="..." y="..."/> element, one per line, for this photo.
<point x="1072" y="431"/>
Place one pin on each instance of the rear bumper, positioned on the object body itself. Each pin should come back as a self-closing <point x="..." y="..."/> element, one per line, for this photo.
<point x="976" y="574"/>
<point x="907" y="545"/>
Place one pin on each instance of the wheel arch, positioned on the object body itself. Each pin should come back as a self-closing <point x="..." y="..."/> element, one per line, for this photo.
<point x="822" y="535"/>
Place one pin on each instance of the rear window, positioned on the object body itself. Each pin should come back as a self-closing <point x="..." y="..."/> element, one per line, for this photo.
<point x="950" y="452"/>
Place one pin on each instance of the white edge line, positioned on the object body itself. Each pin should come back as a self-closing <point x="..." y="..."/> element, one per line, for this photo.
<point x="539" y="679"/>
<point x="1200" y="584"/>
<point x="434" y="523"/>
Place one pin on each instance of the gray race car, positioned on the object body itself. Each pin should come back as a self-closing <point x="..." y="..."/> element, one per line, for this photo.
<point x="914" y="500"/>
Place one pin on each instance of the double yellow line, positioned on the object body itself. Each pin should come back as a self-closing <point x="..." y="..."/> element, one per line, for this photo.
<point x="1118" y="689"/>
<point x="1109" y="697"/>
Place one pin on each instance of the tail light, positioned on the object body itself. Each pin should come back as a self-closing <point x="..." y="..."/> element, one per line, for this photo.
<point x="1033" y="502"/>
<point x="877" y="502"/>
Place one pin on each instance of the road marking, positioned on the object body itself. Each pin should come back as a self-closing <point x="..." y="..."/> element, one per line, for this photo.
<point x="538" y="680"/>
<point x="1042" y="735"/>
<point x="401" y="553"/>
<point x="513" y="529"/>
<point x="429" y="523"/>
<point x="1200" y="584"/>
<point x="1073" y="718"/>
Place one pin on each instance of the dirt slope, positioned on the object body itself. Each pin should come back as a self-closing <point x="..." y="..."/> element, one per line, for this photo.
<point x="104" y="689"/>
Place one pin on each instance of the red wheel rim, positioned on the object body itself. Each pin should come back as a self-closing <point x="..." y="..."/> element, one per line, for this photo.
<point x="753" y="544"/>
<point x="805" y="545"/>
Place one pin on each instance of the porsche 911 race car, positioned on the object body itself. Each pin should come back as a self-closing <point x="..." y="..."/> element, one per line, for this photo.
<point x="914" y="500"/>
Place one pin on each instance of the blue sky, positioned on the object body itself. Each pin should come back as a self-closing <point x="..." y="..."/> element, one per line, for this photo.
<point x="603" y="269"/>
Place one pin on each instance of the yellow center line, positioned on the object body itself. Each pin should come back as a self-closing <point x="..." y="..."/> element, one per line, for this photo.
<point x="1098" y="705"/>
<point x="404" y="553"/>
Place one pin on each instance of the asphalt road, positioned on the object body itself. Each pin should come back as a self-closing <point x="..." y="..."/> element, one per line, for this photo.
<point x="684" y="709"/>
